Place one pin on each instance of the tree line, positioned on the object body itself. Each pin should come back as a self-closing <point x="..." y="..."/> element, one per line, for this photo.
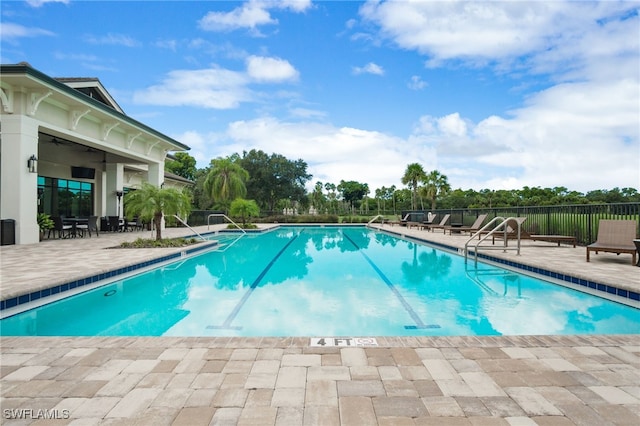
<point x="276" y="184"/>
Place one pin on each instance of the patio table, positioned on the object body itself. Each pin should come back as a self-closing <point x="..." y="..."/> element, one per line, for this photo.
<point x="74" y="222"/>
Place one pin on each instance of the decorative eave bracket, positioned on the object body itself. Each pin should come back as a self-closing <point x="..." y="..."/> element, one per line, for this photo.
<point x="6" y="96"/>
<point x="75" y="117"/>
<point x="35" y="98"/>
<point x="107" y="128"/>
<point x="132" y="138"/>
<point x="151" y="145"/>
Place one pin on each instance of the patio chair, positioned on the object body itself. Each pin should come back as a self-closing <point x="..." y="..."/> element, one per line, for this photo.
<point x="400" y="222"/>
<point x="441" y="225"/>
<point x="615" y="236"/>
<point x="135" y="225"/>
<point x="91" y="225"/>
<point x="429" y="219"/>
<point x="115" y="224"/>
<point x="475" y="227"/>
<point x="60" y="228"/>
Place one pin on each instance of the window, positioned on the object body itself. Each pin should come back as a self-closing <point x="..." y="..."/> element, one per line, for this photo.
<point x="64" y="197"/>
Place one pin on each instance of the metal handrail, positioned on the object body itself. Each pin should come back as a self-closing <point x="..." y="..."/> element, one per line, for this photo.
<point x="226" y="217"/>
<point x="185" y="224"/>
<point x="373" y="220"/>
<point x="502" y="226"/>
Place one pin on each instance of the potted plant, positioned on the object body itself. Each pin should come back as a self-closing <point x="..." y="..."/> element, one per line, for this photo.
<point x="44" y="223"/>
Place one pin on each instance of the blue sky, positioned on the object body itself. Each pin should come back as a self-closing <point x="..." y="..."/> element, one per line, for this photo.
<point x="494" y="95"/>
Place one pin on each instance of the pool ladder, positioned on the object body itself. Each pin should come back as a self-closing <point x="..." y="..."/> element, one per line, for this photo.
<point x="501" y="226"/>
<point x="226" y="217"/>
<point x="185" y="224"/>
<point x="380" y="216"/>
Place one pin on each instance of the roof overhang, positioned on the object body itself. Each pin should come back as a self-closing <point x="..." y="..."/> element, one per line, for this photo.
<point x="22" y="78"/>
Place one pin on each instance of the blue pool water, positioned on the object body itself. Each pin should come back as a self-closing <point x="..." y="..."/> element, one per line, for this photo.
<point x="326" y="281"/>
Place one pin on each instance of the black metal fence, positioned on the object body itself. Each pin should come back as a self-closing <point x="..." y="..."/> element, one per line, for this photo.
<point x="200" y="217"/>
<point x="580" y="221"/>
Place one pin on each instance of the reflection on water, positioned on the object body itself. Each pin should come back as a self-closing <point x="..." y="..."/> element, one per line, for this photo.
<point x="327" y="282"/>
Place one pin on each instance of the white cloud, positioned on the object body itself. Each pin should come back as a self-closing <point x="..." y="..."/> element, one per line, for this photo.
<point x="215" y="87"/>
<point x="10" y="31"/>
<point x="38" y="3"/>
<point x="370" y="68"/>
<point x="481" y="32"/>
<point x="167" y="44"/>
<point x="112" y="39"/>
<point x="208" y="88"/>
<point x="331" y="153"/>
<point x="250" y="15"/>
<point x="583" y="136"/>
<point x="264" y="69"/>
<point x="417" y="83"/>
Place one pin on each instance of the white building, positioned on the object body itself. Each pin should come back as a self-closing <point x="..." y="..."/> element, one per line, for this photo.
<point x="68" y="149"/>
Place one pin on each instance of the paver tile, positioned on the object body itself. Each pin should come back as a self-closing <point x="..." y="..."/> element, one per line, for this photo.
<point x="194" y="416"/>
<point x="291" y="377"/>
<point x="399" y="406"/>
<point x="321" y="392"/>
<point x="356" y="411"/>
<point x="360" y="388"/>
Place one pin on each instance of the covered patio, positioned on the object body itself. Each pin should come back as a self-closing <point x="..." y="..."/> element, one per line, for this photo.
<point x="68" y="149"/>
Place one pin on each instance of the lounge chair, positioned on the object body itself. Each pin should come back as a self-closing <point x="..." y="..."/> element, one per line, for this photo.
<point x="440" y="225"/>
<point x="424" y="224"/>
<point x="615" y="236"/>
<point x="430" y="218"/>
<point x="475" y="227"/>
<point x="512" y="234"/>
<point x="400" y="222"/>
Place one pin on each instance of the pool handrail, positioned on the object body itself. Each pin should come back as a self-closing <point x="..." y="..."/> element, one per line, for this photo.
<point x="226" y="217"/>
<point x="187" y="225"/>
<point x="502" y="226"/>
<point x="374" y="219"/>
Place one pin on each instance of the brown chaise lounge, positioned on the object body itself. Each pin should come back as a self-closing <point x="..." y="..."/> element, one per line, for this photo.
<point x="441" y="225"/>
<point x="401" y="222"/>
<point x="475" y="227"/>
<point x="615" y="236"/>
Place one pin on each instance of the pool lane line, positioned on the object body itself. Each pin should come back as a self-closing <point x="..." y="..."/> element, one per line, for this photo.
<point x="416" y="318"/>
<point x="227" y="323"/>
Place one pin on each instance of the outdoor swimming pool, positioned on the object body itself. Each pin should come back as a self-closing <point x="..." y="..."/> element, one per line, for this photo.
<point x="326" y="281"/>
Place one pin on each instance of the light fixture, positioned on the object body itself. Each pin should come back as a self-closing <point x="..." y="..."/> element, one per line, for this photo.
<point x="119" y="194"/>
<point x="32" y="164"/>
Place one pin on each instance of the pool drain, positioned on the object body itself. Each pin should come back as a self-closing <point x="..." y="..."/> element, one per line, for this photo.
<point x="109" y="293"/>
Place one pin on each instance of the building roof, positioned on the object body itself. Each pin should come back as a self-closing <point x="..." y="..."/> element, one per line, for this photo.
<point x="23" y="74"/>
<point x="92" y="87"/>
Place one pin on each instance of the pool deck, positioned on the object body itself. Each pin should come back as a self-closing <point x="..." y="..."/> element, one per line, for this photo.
<point x="511" y="380"/>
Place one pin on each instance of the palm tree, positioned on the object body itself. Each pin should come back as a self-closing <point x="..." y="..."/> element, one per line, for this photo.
<point x="226" y="181"/>
<point x="152" y="203"/>
<point x="414" y="174"/>
<point x="436" y="184"/>
<point x="245" y="209"/>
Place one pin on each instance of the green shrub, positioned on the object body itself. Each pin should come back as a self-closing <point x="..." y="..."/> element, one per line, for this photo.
<point x="164" y="243"/>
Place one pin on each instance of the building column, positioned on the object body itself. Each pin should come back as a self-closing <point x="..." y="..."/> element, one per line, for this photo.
<point x="19" y="195"/>
<point x="115" y="182"/>
<point x="155" y="174"/>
